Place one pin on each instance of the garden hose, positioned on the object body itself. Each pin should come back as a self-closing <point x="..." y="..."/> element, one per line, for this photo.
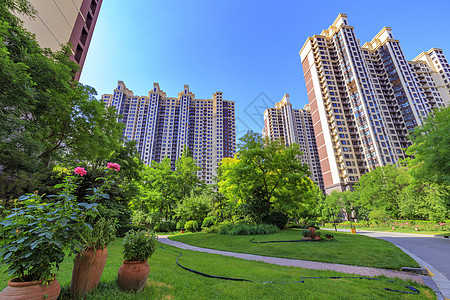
<point x="291" y="241"/>
<point x="412" y="290"/>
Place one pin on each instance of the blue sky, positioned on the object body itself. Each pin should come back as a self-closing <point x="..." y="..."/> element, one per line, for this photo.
<point x="246" y="49"/>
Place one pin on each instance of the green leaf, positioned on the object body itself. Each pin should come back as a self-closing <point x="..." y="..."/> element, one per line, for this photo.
<point x="24" y="197"/>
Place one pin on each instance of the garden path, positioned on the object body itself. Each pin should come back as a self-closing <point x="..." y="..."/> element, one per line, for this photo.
<point x="364" y="271"/>
<point x="432" y="252"/>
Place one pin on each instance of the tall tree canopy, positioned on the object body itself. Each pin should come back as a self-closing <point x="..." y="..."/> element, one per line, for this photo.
<point x="430" y="150"/>
<point x="266" y="177"/>
<point x="44" y="113"/>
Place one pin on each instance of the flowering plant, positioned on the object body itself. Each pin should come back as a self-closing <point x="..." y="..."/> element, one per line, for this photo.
<point x="39" y="229"/>
<point x="38" y="232"/>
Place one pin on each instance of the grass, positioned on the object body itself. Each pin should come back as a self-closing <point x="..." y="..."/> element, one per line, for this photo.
<point x="345" y="249"/>
<point x="397" y="229"/>
<point x="168" y="281"/>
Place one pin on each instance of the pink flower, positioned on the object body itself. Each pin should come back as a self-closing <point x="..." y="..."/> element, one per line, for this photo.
<point x="80" y="171"/>
<point x="393" y="227"/>
<point x="416" y="229"/>
<point x="113" y="166"/>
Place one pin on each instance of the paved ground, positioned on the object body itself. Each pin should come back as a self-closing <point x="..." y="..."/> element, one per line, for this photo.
<point x="364" y="271"/>
<point x="430" y="251"/>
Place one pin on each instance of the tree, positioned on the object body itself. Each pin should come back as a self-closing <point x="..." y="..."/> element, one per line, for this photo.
<point x="162" y="188"/>
<point x="266" y="176"/>
<point x="430" y="150"/>
<point x="186" y="170"/>
<point x="195" y="207"/>
<point x="339" y="203"/>
<point x="45" y="114"/>
<point x="381" y="188"/>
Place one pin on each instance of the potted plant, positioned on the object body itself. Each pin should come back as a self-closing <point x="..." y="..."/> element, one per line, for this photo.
<point x="306" y="235"/>
<point x="90" y="262"/>
<point x="37" y="233"/>
<point x="138" y="248"/>
<point x="312" y="227"/>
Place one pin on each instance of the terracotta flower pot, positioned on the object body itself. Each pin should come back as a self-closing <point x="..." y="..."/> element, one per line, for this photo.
<point x="87" y="271"/>
<point x="31" y="290"/>
<point x="133" y="275"/>
<point x="306" y="238"/>
<point x="312" y="230"/>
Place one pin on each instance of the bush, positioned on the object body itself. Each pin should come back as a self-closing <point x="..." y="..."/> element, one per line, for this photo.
<point x="191" y="226"/>
<point x="102" y="234"/>
<point x="168" y="226"/>
<point x="209" y="221"/>
<point x="378" y="215"/>
<point x="122" y="230"/>
<point x="245" y="229"/>
<point x="180" y="224"/>
<point x="139" y="245"/>
<point x="276" y="218"/>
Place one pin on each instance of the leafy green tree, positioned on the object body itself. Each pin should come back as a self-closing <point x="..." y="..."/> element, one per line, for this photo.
<point x="162" y="188"/>
<point x="266" y="176"/>
<point x="45" y="114"/>
<point x="195" y="207"/>
<point x="186" y="170"/>
<point x="429" y="162"/>
<point x="423" y="201"/>
<point x="381" y="188"/>
<point x="339" y="203"/>
<point x="430" y="150"/>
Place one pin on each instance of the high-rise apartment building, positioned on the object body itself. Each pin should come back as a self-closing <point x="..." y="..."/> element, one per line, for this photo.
<point x="364" y="100"/>
<point x="61" y="21"/>
<point x="294" y="126"/>
<point x="432" y="70"/>
<point x="162" y="126"/>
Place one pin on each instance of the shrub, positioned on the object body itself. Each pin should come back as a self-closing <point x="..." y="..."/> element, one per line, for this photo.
<point x="191" y="226"/>
<point x="379" y="215"/>
<point x="209" y="221"/>
<point x="102" y="234"/>
<point x="139" y="245"/>
<point x="245" y="229"/>
<point x="165" y="226"/>
<point x="277" y="218"/>
<point x="180" y="224"/>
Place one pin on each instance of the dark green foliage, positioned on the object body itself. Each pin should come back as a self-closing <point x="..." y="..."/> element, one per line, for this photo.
<point x="139" y="245"/>
<point x="168" y="226"/>
<point x="123" y="229"/>
<point x="245" y="229"/>
<point x="46" y="116"/>
<point x="192" y="226"/>
<point x="276" y="218"/>
<point x="209" y="221"/>
<point x="180" y="224"/>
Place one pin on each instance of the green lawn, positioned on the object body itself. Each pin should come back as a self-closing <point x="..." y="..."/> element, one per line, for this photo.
<point x="345" y="249"/>
<point x="168" y="281"/>
<point x="389" y="229"/>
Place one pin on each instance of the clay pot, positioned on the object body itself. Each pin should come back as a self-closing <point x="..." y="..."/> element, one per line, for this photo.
<point x="133" y="275"/>
<point x="306" y="238"/>
<point x="31" y="290"/>
<point x="87" y="271"/>
<point x="312" y="230"/>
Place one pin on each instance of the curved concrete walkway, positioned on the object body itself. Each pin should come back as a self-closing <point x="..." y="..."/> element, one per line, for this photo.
<point x="364" y="271"/>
